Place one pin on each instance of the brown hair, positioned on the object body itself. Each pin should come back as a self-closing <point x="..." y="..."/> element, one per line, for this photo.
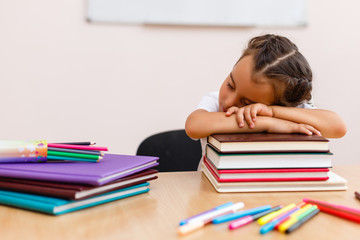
<point x="278" y="59"/>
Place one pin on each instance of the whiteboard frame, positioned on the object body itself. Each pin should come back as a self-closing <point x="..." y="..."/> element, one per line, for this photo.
<point x="284" y="13"/>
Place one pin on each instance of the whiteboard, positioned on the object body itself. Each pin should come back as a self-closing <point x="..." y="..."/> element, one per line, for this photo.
<point x="200" y="12"/>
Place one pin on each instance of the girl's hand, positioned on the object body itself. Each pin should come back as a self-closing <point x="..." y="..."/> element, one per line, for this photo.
<point x="276" y="125"/>
<point x="249" y="113"/>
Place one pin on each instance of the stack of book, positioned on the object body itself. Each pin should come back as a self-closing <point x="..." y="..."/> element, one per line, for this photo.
<point x="264" y="162"/>
<point x="61" y="187"/>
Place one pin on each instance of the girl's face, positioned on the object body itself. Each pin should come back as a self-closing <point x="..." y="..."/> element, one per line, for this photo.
<point x="240" y="90"/>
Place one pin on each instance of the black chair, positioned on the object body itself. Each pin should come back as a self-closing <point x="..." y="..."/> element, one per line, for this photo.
<point x="176" y="151"/>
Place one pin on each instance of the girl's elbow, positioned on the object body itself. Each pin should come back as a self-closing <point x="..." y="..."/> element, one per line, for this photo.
<point x="193" y="133"/>
<point x="336" y="131"/>
<point x="194" y="130"/>
<point x="337" y="126"/>
<point x="340" y="131"/>
<point x="190" y="130"/>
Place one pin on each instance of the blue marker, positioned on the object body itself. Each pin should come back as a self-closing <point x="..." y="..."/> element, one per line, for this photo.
<point x="240" y="214"/>
<point x="185" y="221"/>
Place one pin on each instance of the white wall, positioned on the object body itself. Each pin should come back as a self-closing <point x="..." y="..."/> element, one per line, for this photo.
<point x="65" y="79"/>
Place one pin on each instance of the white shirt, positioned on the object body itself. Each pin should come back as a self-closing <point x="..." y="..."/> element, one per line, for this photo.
<point x="210" y="103"/>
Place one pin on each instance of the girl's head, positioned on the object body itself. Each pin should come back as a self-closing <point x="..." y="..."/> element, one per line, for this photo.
<point x="271" y="71"/>
<point x="278" y="59"/>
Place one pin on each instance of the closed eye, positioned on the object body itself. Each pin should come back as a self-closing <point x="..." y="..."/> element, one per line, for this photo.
<point x="231" y="82"/>
<point x="246" y="101"/>
<point x="230" y="86"/>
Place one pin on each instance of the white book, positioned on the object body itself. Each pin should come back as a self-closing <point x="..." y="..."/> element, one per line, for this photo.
<point x="268" y="160"/>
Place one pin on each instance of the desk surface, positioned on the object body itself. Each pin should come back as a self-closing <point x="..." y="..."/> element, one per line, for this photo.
<point x="175" y="196"/>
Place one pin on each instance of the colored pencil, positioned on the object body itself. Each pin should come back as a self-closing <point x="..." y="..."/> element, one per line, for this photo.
<point x="303" y="219"/>
<point x="98" y="153"/>
<point x="73" y="155"/>
<point x="60" y="158"/>
<point x="336" y="210"/>
<point x="248" y="219"/>
<point x="80" y="147"/>
<point x="78" y="143"/>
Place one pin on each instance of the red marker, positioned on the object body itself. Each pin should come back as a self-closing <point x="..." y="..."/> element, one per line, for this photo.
<point x="336" y="210"/>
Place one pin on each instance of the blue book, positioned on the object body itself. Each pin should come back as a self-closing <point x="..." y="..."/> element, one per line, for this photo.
<point x="57" y="206"/>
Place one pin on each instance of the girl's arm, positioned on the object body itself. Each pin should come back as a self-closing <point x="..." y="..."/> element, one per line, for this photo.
<point x="202" y="123"/>
<point x="327" y="122"/>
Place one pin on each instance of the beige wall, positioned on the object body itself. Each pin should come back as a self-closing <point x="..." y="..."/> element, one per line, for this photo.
<point x="65" y="79"/>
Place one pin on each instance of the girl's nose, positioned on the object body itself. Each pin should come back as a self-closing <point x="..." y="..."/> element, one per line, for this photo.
<point x="228" y="103"/>
<point x="233" y="101"/>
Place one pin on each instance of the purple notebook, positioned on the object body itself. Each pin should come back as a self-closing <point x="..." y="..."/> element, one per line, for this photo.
<point x="110" y="168"/>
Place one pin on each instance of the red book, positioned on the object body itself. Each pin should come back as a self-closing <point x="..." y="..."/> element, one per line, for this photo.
<point x="73" y="191"/>
<point x="257" y="175"/>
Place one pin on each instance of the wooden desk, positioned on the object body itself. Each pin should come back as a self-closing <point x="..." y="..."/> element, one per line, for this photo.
<point x="173" y="197"/>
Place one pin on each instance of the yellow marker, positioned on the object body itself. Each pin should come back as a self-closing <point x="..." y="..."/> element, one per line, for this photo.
<point x="267" y="218"/>
<point x="293" y="218"/>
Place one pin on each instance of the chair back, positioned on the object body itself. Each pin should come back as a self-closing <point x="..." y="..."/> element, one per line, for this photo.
<point x="176" y="151"/>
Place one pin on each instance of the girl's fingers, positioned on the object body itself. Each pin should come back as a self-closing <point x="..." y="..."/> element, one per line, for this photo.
<point x="248" y="118"/>
<point x="309" y="130"/>
<point x="253" y="112"/>
<point x="240" y="117"/>
<point x="306" y="131"/>
<point x="313" y="130"/>
<point x="231" y="111"/>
